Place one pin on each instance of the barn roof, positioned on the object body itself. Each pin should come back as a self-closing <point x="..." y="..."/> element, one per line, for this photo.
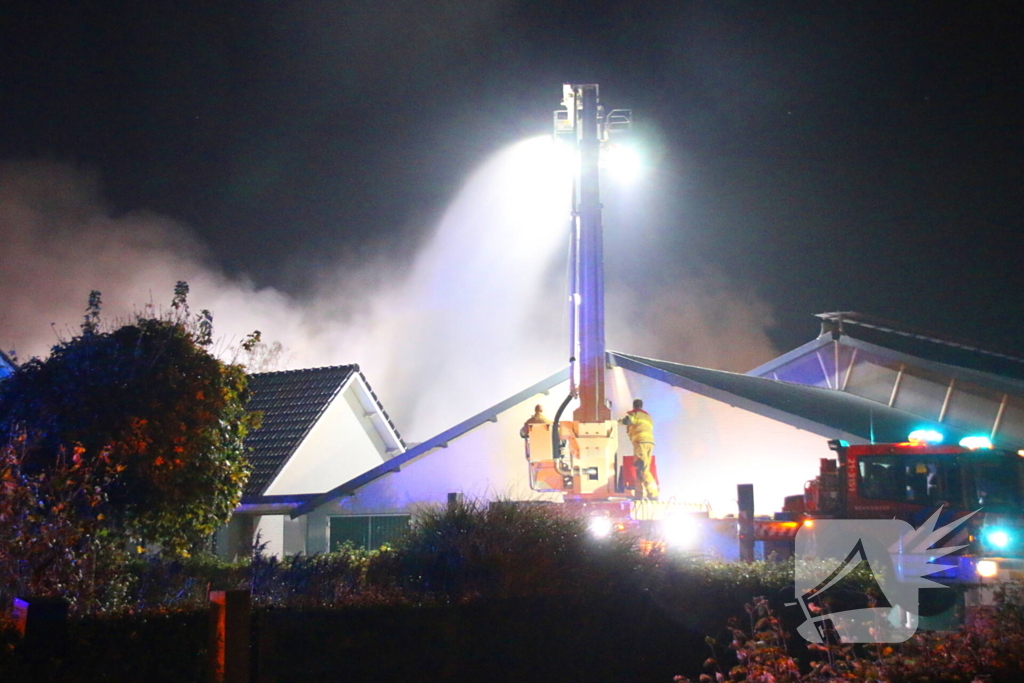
<point x="928" y="350"/>
<point x="833" y="414"/>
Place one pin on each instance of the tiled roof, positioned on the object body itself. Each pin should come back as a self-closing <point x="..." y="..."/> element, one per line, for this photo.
<point x="291" y="402"/>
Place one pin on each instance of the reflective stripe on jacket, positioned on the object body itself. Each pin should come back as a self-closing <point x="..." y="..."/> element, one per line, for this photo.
<point x="639" y="425"/>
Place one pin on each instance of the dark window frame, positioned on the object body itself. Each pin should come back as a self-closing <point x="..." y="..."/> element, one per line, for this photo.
<point x="372" y="538"/>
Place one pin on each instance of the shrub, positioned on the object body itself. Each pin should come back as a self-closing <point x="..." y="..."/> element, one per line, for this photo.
<point x="52" y="542"/>
<point x="303" y="581"/>
<point x="165" y="583"/>
<point x="470" y="549"/>
<point x="990" y="647"/>
<point x="152" y="417"/>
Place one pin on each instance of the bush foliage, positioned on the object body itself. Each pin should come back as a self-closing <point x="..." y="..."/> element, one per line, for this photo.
<point x="50" y="540"/>
<point x="470" y="550"/>
<point x="523" y="569"/>
<point x="989" y="647"/>
<point x="146" y="412"/>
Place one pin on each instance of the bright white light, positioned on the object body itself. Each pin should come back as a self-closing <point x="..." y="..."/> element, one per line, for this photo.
<point x="600" y="527"/>
<point x="988" y="569"/>
<point x="998" y="538"/>
<point x="928" y="435"/>
<point x="563" y="158"/>
<point x="623" y="162"/>
<point x="974" y="442"/>
<point x="680" y="532"/>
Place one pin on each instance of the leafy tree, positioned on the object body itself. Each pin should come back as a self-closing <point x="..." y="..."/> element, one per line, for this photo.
<point x="147" y="408"/>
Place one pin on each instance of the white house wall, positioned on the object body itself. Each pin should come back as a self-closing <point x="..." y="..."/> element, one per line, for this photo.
<point x="488" y="462"/>
<point x="270" y="531"/>
<point x="337" y="449"/>
<point x="705" y="447"/>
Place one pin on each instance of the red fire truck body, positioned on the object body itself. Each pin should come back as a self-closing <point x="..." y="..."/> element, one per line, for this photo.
<point x="909" y="481"/>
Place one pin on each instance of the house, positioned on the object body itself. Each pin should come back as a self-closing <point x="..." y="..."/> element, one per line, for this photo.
<point x="321" y="427"/>
<point x="714" y="429"/>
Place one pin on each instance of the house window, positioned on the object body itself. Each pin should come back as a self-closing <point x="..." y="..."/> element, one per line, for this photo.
<point x="367" y="531"/>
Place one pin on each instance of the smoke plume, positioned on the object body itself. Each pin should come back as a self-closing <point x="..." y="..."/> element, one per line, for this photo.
<point x="478" y="315"/>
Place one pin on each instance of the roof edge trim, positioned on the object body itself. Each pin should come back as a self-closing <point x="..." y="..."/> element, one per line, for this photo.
<point x="636" y="364"/>
<point x="442" y="439"/>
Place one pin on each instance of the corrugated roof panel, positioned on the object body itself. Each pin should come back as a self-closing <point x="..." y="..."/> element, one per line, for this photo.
<point x="805" y="405"/>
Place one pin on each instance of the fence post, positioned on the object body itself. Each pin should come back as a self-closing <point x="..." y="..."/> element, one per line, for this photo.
<point x="229" y="636"/>
<point x="745" y="524"/>
<point x="43" y="625"/>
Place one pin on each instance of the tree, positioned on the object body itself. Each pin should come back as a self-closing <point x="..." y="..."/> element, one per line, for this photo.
<point x="147" y="408"/>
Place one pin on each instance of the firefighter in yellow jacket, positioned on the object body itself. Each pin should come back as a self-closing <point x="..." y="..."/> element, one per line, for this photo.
<point x="640" y="427"/>
<point x="537" y="419"/>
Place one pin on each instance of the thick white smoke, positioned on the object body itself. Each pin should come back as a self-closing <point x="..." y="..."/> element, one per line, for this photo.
<point x="479" y="315"/>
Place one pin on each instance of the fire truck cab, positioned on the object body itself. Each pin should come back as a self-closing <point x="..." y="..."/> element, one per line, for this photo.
<point x="909" y="481"/>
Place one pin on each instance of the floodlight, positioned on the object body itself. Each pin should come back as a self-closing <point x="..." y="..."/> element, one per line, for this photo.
<point x="622" y="161"/>
<point x="600" y="527"/>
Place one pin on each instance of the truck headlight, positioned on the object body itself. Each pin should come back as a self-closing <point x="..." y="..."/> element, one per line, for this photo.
<point x="987" y="569"/>
<point x="680" y="532"/>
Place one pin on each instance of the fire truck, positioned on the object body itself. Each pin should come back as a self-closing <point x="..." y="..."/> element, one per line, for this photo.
<point x="578" y="457"/>
<point x="911" y="480"/>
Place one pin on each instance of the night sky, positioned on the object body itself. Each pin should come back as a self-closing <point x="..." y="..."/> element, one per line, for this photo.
<point x="821" y="155"/>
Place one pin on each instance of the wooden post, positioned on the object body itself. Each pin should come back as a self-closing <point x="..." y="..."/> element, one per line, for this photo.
<point x="229" y="636"/>
<point x="745" y="525"/>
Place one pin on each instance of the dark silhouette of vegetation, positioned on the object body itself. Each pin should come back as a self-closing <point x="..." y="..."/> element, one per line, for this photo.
<point x="990" y="648"/>
<point x="146" y="410"/>
<point x="475" y="550"/>
<point x="502" y="591"/>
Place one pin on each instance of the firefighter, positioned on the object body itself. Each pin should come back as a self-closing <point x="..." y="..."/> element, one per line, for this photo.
<point x="537" y="419"/>
<point x="641" y="432"/>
